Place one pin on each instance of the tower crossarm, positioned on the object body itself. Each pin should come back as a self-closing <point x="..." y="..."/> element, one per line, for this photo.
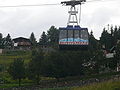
<point x="73" y="2"/>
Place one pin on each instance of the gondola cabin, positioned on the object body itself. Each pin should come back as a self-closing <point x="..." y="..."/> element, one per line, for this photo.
<point x="73" y="38"/>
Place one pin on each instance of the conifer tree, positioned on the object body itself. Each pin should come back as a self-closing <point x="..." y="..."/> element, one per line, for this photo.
<point x="7" y="41"/>
<point x="1" y="40"/>
<point x="93" y="43"/>
<point x="33" y="39"/>
<point x="106" y="39"/>
<point x="53" y="35"/>
<point x="43" y="40"/>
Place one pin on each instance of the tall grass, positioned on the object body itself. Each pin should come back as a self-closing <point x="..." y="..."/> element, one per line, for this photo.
<point x="110" y="85"/>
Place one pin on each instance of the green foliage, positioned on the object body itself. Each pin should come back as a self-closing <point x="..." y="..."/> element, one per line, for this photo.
<point x="93" y="43"/>
<point x="8" y="57"/>
<point x="34" y="67"/>
<point x="44" y="39"/>
<point x="53" y="36"/>
<point x="1" y="67"/>
<point x="1" y="40"/>
<point x="64" y="63"/>
<point x="8" y="42"/>
<point x="106" y="39"/>
<point x="54" y="65"/>
<point x="17" y="69"/>
<point x="117" y="55"/>
<point x="33" y="39"/>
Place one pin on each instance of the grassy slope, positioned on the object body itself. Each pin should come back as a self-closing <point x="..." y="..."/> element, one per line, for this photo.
<point x="110" y="85"/>
<point x="6" y="59"/>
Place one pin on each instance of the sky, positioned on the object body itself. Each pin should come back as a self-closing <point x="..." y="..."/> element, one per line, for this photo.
<point x="22" y="21"/>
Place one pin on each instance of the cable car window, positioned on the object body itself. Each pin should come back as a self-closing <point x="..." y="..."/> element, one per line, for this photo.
<point x="63" y="37"/>
<point x="84" y="37"/>
<point x="79" y="33"/>
<point x="76" y="33"/>
<point x="70" y="36"/>
<point x="76" y="37"/>
<point x="63" y="34"/>
<point x="83" y="33"/>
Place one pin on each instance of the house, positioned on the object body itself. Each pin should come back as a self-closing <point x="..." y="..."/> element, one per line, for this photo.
<point x="22" y="43"/>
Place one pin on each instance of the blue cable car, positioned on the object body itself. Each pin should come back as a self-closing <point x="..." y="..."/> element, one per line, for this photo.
<point x="73" y="38"/>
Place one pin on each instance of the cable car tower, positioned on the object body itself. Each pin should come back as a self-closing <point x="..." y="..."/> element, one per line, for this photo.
<point x="73" y="37"/>
<point x="73" y="20"/>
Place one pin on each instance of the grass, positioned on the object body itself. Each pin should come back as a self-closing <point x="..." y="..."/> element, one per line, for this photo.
<point x="6" y="59"/>
<point x="110" y="85"/>
<point x="13" y="85"/>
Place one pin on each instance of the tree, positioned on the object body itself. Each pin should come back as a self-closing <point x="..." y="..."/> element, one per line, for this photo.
<point x="54" y="65"/>
<point x="33" y="39"/>
<point x="93" y="43"/>
<point x="34" y="67"/>
<point x="106" y="39"/>
<point x="1" y="40"/>
<point x="117" y="55"/>
<point x="43" y="40"/>
<point x="7" y="41"/>
<point x="53" y="35"/>
<point x="118" y="34"/>
<point x="17" y="70"/>
<point x="63" y="64"/>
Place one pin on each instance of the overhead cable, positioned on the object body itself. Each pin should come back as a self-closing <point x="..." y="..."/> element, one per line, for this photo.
<point x="34" y="5"/>
<point x="37" y="5"/>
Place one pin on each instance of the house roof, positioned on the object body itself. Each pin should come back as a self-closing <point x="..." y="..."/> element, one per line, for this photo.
<point x="21" y="41"/>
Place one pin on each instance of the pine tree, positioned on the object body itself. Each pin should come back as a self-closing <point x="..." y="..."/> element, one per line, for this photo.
<point x="1" y="40"/>
<point x="117" y="55"/>
<point x="118" y="34"/>
<point x="43" y="40"/>
<point x="33" y="39"/>
<point x="112" y="31"/>
<point x="93" y="43"/>
<point x="53" y="35"/>
<point x="106" y="39"/>
<point x="7" y="41"/>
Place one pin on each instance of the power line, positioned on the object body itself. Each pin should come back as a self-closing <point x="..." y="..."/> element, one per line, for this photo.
<point x="36" y="5"/>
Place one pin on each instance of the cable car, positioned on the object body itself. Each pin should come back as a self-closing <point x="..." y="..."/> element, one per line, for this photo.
<point x="73" y="38"/>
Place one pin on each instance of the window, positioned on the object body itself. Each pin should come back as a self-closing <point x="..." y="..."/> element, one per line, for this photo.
<point x="70" y="35"/>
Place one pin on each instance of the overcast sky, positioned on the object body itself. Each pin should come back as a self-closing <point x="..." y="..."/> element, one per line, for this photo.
<point x="22" y="21"/>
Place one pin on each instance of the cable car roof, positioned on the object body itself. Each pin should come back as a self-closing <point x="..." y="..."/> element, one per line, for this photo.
<point x="71" y="27"/>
